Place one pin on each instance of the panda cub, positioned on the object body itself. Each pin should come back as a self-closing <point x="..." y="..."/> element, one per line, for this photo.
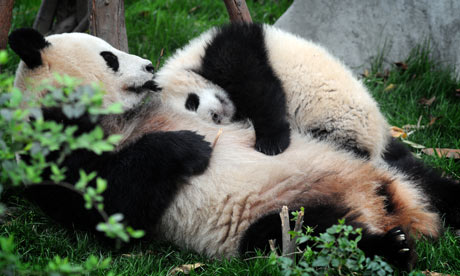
<point x="276" y="80"/>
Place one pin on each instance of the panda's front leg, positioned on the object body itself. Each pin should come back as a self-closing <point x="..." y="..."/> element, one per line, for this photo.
<point x="144" y="177"/>
<point x="272" y="139"/>
<point x="172" y="154"/>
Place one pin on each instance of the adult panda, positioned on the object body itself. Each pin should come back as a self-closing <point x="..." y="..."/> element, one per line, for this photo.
<point x="262" y="73"/>
<point x="232" y="206"/>
<point x="138" y="182"/>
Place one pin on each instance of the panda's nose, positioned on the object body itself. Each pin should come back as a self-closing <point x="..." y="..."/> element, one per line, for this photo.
<point x="149" y="68"/>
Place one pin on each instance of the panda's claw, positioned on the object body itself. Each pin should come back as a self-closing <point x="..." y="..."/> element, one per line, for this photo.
<point x="399" y="248"/>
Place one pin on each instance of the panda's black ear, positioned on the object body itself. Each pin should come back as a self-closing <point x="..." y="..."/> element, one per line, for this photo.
<point x="28" y="43"/>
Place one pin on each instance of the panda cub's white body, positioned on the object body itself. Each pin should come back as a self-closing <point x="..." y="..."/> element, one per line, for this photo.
<point x="221" y="201"/>
<point x="323" y="98"/>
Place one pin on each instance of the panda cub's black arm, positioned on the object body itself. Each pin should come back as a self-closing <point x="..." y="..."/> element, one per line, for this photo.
<point x="236" y="59"/>
<point x="143" y="177"/>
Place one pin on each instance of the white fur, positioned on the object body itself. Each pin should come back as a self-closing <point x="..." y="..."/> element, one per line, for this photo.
<point x="78" y="55"/>
<point x="321" y="92"/>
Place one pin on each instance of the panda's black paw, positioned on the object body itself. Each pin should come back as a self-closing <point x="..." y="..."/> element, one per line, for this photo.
<point x="273" y="143"/>
<point x="194" y="153"/>
<point x="399" y="249"/>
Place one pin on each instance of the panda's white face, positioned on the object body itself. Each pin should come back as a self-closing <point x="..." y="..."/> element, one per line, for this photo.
<point x="211" y="105"/>
<point x="126" y="78"/>
<point x="187" y="91"/>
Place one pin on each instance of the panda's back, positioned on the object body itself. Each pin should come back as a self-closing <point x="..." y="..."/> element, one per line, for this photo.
<point x="323" y="94"/>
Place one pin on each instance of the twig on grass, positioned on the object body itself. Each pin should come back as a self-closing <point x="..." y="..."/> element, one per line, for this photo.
<point x="289" y="245"/>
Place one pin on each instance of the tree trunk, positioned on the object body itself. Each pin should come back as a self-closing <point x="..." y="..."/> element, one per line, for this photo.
<point x="107" y="21"/>
<point x="45" y="16"/>
<point x="6" y="8"/>
<point x="238" y="11"/>
<point x="66" y="19"/>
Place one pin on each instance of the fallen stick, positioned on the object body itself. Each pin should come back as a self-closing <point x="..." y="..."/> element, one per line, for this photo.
<point x="289" y="245"/>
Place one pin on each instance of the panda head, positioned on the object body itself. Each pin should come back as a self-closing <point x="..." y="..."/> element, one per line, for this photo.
<point x="186" y="90"/>
<point x="126" y="78"/>
<point x="210" y="104"/>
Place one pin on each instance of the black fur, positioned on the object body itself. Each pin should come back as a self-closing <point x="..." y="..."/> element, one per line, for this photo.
<point x="147" y="86"/>
<point x="111" y="60"/>
<point x="143" y="177"/>
<point x="236" y="60"/>
<point x="443" y="193"/>
<point x="389" y="203"/>
<point x="349" y="145"/>
<point x="28" y="43"/>
<point x="399" y="252"/>
<point x="193" y="101"/>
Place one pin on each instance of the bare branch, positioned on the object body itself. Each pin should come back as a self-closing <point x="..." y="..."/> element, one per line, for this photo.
<point x="83" y="25"/>
<point x="107" y="21"/>
<point x="6" y="8"/>
<point x="66" y="25"/>
<point x="44" y="19"/>
<point x="289" y="245"/>
<point x="82" y="10"/>
<point x="238" y="11"/>
<point x="285" y="228"/>
<point x="272" y="246"/>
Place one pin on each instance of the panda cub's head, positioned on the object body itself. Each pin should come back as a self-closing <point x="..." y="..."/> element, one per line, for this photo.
<point x="186" y="90"/>
<point x="211" y="105"/>
<point x="126" y="78"/>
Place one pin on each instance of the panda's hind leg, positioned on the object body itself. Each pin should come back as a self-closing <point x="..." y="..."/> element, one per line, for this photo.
<point x="395" y="246"/>
<point x="442" y="192"/>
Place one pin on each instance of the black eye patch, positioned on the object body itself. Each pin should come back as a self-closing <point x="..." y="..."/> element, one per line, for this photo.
<point x="193" y="101"/>
<point x="111" y="60"/>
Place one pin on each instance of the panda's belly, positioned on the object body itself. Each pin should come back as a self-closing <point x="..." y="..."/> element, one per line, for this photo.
<point x="211" y="214"/>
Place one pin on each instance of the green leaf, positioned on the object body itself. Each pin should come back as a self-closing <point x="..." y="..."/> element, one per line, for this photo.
<point x="16" y="98"/>
<point x="135" y="233"/>
<point x="115" y="218"/>
<point x="91" y="262"/>
<point x="321" y="261"/>
<point x="114" y="139"/>
<point x="3" y="57"/>
<point x="101" y="185"/>
<point x="115" y="108"/>
<point x="105" y="262"/>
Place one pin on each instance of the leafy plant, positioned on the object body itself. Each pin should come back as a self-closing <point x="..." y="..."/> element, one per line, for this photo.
<point x="334" y="252"/>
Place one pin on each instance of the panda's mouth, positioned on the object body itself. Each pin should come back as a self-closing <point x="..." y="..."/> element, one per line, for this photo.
<point x="148" y="86"/>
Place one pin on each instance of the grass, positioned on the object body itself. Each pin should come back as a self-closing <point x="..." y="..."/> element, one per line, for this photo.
<point x="154" y="25"/>
<point x="423" y="78"/>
